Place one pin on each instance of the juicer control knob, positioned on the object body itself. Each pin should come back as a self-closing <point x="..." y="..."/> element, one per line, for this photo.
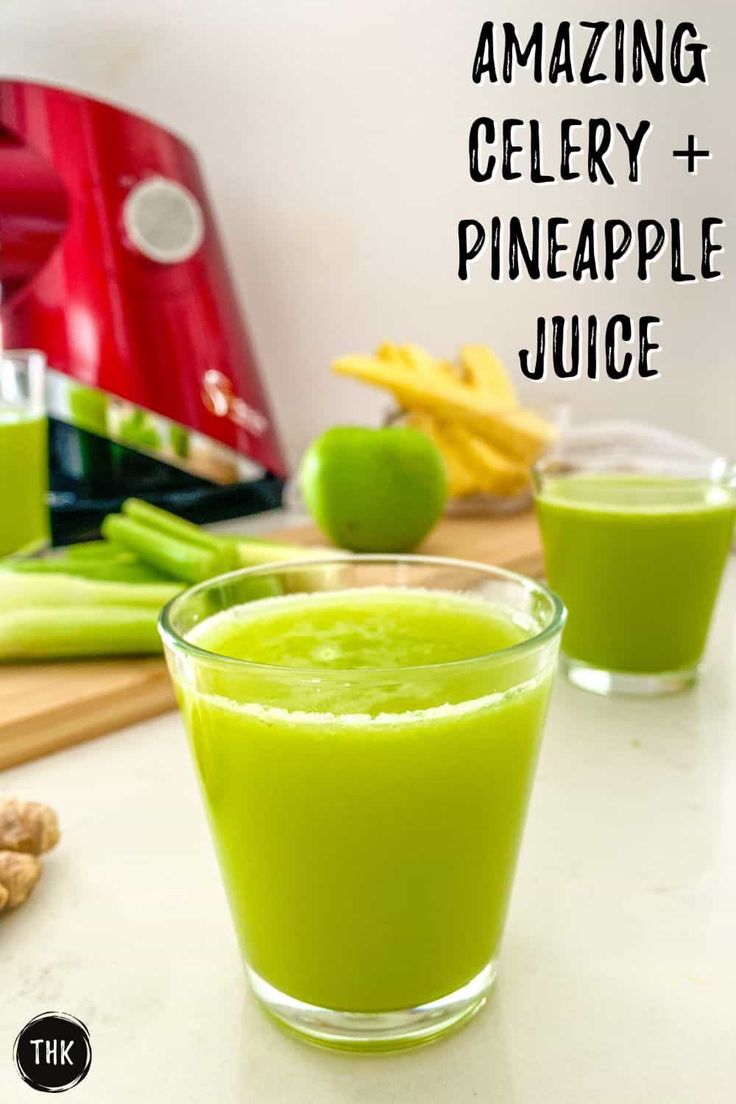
<point x="163" y="220"/>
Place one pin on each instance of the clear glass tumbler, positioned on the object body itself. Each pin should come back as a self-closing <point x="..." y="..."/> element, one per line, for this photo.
<point x="24" y="514"/>
<point x="365" y="730"/>
<point x="635" y="543"/>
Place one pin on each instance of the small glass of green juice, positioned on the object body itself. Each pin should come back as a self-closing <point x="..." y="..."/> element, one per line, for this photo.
<point x="636" y="546"/>
<point x="24" y="515"/>
<point x="365" y="730"/>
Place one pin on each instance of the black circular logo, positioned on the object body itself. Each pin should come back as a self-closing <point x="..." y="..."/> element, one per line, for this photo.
<point x="53" y="1052"/>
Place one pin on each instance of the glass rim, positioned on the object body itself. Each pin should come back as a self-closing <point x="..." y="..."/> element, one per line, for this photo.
<point x="177" y="642"/>
<point x="718" y="470"/>
<point x="29" y="366"/>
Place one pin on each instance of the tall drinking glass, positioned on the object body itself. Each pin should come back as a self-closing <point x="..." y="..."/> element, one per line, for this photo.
<point x="635" y="545"/>
<point x="365" y="730"/>
<point x="24" y="516"/>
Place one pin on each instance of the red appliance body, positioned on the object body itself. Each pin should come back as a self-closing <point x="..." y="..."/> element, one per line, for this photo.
<point x="111" y="264"/>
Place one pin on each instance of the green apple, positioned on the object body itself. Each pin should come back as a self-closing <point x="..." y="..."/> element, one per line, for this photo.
<point x="374" y="490"/>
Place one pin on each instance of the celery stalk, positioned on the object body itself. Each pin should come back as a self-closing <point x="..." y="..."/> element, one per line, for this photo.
<point x="162" y="539"/>
<point x="191" y="563"/>
<point x="69" y="632"/>
<point x="19" y="591"/>
<point x="254" y="553"/>
<point x="96" y="550"/>
<point x="85" y="567"/>
<point x="240" y="551"/>
<point x="165" y="522"/>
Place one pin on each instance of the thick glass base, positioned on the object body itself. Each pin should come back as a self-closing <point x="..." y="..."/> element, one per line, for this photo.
<point x="375" y="1031"/>
<point x="608" y="683"/>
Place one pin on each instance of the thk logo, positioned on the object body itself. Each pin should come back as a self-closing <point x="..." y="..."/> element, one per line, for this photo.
<point x="53" y="1052"/>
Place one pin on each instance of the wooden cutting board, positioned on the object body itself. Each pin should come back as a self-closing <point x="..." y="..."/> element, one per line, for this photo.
<point x="47" y="707"/>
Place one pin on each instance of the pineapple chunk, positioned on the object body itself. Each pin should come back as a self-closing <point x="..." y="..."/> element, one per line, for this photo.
<point x="520" y="433"/>
<point x="461" y="480"/>
<point x="494" y="472"/>
<point x="417" y="360"/>
<point x="482" y="370"/>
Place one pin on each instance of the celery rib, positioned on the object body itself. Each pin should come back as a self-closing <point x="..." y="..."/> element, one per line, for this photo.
<point x="70" y="632"/>
<point x="19" y="591"/>
<point x="191" y="563"/>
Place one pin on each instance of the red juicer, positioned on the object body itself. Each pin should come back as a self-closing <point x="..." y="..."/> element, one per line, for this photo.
<point x="111" y="265"/>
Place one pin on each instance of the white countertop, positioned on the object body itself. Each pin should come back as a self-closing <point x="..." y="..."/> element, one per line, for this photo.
<point x="618" y="978"/>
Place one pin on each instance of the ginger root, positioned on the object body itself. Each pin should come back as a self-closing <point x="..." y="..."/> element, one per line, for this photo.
<point x="27" y="826"/>
<point x="18" y="875"/>
<point x="27" y="830"/>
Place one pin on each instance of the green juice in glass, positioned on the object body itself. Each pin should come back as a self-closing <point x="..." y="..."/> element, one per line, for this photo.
<point x="638" y="561"/>
<point x="24" y="519"/>
<point x="368" y="816"/>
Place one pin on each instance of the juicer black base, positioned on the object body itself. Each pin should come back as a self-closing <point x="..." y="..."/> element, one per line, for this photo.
<point x="82" y="494"/>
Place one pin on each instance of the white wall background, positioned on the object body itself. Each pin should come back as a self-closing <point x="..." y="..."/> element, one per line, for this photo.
<point x="334" y="132"/>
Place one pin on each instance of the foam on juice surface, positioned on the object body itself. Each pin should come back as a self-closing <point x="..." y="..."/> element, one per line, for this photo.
<point x="376" y="628"/>
<point x="376" y="636"/>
